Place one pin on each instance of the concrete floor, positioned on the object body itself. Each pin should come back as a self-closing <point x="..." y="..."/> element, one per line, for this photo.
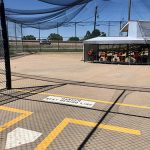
<point x="70" y="67"/>
<point x="66" y="126"/>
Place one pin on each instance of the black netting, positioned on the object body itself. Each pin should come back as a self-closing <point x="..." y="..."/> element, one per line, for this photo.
<point x="75" y="10"/>
<point x="36" y="19"/>
<point x="48" y="21"/>
<point x="47" y="69"/>
<point x="66" y="2"/>
<point x="10" y="11"/>
<point x="144" y="29"/>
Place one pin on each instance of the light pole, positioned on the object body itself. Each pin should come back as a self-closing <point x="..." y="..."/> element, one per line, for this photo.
<point x="95" y="19"/>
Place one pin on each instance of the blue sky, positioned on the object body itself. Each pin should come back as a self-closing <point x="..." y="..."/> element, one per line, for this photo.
<point x="113" y="10"/>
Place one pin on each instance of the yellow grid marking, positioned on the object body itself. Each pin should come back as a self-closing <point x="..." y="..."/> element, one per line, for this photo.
<point x="92" y="100"/>
<point x="51" y="137"/>
<point x="23" y="115"/>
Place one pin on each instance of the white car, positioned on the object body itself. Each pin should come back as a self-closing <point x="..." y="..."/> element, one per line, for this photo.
<point x="45" y="41"/>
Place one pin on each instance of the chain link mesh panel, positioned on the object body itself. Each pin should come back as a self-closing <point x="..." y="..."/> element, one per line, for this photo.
<point x="71" y="36"/>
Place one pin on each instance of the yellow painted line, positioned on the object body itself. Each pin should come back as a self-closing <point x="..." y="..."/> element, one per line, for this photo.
<point x="52" y="136"/>
<point x="107" y="127"/>
<point x="135" y="106"/>
<point x="92" y="100"/>
<point x="13" y="110"/>
<point x="49" y="139"/>
<point x="23" y="115"/>
<point x="59" y="95"/>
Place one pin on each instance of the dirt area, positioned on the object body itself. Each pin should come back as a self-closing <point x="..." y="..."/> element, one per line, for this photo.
<point x="70" y="67"/>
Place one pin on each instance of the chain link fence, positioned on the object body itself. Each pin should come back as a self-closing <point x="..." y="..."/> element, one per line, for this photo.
<point x="19" y="45"/>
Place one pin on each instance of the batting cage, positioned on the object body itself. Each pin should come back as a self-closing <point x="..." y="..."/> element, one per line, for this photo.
<point x="50" y="96"/>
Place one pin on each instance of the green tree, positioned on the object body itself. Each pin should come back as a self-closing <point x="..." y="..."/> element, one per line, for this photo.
<point x="73" y="39"/>
<point x="87" y="35"/>
<point x="94" y="33"/>
<point x="103" y="34"/>
<point x="29" y="37"/>
<point x="55" y="37"/>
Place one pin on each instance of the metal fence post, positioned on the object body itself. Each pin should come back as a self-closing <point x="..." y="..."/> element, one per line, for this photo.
<point x="75" y="29"/>
<point x="75" y="35"/>
<point x="16" y="36"/>
<point x="6" y="45"/>
<point x="40" y="37"/>
<point x="108" y="28"/>
<point x="22" y="38"/>
<point x="58" y="33"/>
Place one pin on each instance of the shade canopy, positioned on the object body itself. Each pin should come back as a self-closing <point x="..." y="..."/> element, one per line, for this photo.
<point x="138" y="33"/>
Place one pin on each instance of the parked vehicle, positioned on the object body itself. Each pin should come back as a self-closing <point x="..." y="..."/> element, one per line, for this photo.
<point x="45" y="41"/>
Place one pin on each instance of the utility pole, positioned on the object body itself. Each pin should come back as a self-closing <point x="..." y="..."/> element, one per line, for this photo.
<point x="5" y="45"/>
<point x="129" y="10"/>
<point x="95" y="18"/>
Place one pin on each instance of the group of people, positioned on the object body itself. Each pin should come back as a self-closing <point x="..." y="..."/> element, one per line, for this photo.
<point x="118" y="56"/>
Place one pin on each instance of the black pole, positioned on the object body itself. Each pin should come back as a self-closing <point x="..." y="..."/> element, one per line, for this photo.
<point x="129" y="18"/>
<point x="6" y="45"/>
<point x="58" y="33"/>
<point x="75" y="35"/>
<point x="95" y="18"/>
<point x="75" y="29"/>
<point x="108" y="28"/>
<point x="16" y="36"/>
<point x="129" y="10"/>
<point x="40" y="37"/>
<point x="22" y="38"/>
<point x="120" y="28"/>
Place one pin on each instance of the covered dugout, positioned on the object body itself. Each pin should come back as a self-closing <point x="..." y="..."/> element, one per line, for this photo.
<point x="134" y="48"/>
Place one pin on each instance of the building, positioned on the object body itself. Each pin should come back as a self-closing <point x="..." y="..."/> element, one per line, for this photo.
<point x="134" y="48"/>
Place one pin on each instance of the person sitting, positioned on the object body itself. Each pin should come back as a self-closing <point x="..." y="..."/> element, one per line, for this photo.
<point x="103" y="56"/>
<point x="91" y="55"/>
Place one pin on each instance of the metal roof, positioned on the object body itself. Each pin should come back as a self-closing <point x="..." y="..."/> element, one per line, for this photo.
<point x="116" y="40"/>
<point x="136" y="35"/>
